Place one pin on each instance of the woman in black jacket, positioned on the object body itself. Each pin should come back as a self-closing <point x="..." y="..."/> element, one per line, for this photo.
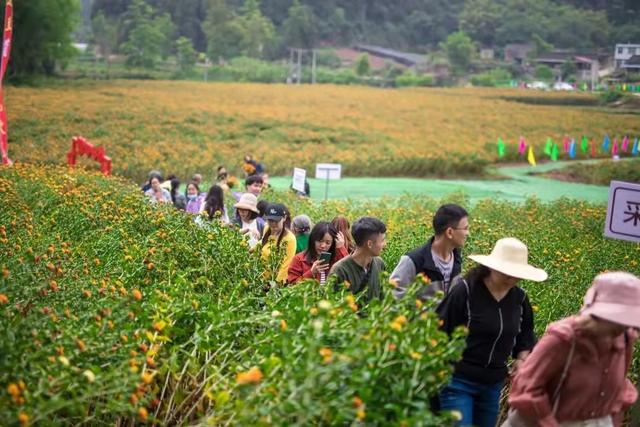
<point x="499" y="318"/>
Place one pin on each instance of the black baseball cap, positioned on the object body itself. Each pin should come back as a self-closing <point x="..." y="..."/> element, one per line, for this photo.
<point x="275" y="212"/>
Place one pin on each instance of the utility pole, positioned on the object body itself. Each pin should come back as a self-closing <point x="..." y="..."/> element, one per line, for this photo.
<point x="299" y="65"/>
<point x="313" y="66"/>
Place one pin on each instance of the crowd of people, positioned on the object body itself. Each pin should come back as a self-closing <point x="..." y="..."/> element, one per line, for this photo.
<point x="575" y="375"/>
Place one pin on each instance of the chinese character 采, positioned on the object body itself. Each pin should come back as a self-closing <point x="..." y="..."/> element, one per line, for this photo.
<point x="633" y="214"/>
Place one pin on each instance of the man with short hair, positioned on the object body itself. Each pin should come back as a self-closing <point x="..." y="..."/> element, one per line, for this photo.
<point x="440" y="259"/>
<point x="362" y="268"/>
<point x="253" y="185"/>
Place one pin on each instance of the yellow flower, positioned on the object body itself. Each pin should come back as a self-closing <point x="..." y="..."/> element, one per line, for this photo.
<point x="147" y="377"/>
<point x="415" y="355"/>
<point x="361" y="414"/>
<point x="91" y="377"/>
<point x="63" y="360"/>
<point x="419" y="304"/>
<point x="324" y="305"/>
<point x="402" y="319"/>
<point x="283" y="325"/>
<point x="396" y="326"/>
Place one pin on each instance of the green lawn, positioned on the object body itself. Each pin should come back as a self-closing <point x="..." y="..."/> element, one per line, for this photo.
<point x="520" y="186"/>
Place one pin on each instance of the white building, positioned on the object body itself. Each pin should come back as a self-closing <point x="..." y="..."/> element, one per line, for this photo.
<point x="624" y="53"/>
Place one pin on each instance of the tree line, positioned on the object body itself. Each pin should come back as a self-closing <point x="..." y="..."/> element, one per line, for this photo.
<point x="149" y="30"/>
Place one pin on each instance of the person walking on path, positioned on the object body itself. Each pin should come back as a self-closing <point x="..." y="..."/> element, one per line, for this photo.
<point x="278" y="242"/>
<point x="361" y="270"/>
<point x="251" y="226"/>
<point x="499" y="319"/>
<point x="576" y="376"/>
<point x="440" y="259"/>
<point x="301" y="227"/>
<point x="156" y="193"/>
<point x="341" y="223"/>
<point x="195" y="199"/>
<point x="324" y="238"/>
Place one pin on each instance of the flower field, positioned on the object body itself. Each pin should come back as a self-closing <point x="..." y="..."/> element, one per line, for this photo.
<point x="184" y="127"/>
<point x="115" y="312"/>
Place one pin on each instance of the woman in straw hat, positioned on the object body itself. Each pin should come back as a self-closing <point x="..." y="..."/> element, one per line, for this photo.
<point x="576" y="375"/>
<point x="499" y="319"/>
<point x="251" y="225"/>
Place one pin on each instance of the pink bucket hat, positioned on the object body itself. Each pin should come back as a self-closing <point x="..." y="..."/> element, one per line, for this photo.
<point x="614" y="297"/>
<point x="249" y="202"/>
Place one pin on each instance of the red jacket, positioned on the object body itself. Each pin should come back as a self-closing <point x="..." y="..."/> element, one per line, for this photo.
<point x="300" y="268"/>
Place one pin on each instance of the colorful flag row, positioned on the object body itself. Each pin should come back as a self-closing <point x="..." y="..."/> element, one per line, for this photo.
<point x="570" y="147"/>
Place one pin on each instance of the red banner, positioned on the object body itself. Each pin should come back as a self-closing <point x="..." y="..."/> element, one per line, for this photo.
<point x="6" y="50"/>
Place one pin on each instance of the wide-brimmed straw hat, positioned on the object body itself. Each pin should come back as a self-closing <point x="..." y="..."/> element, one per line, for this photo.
<point x="249" y="202"/>
<point x="615" y="297"/>
<point x="510" y="256"/>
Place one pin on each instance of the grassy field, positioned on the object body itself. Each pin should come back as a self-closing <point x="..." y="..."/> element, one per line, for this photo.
<point x="187" y="127"/>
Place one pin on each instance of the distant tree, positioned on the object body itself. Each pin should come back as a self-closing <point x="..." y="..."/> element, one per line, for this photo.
<point x="224" y="34"/>
<point x="362" y="65"/>
<point x="540" y="45"/>
<point x="257" y="30"/>
<point x="148" y="36"/>
<point x="479" y="19"/>
<point x="186" y="54"/>
<point x="459" y="49"/>
<point x="568" y="69"/>
<point x="105" y="37"/>
<point x="42" y="35"/>
<point x="299" y="27"/>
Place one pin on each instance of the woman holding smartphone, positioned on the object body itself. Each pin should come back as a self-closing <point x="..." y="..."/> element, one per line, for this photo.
<point x="326" y="246"/>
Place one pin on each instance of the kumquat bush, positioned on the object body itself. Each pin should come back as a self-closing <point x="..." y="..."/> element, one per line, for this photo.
<point x="182" y="127"/>
<point x="114" y="311"/>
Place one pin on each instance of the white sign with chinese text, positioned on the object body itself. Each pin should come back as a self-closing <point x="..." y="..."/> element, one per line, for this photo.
<point x="623" y="211"/>
<point x="299" y="176"/>
<point x="328" y="170"/>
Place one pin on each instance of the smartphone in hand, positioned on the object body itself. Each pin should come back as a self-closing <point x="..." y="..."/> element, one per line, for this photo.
<point x="325" y="257"/>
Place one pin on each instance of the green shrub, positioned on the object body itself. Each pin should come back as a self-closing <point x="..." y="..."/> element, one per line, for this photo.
<point x="492" y="78"/>
<point x="409" y="78"/>
<point x="543" y="72"/>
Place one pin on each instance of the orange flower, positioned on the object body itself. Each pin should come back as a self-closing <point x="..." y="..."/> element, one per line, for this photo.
<point x="143" y="414"/>
<point x="13" y="390"/>
<point x="4" y="299"/>
<point x="160" y="325"/>
<point x="327" y="354"/>
<point x="283" y="325"/>
<point x="357" y="402"/>
<point x="252" y="376"/>
<point x="137" y="294"/>
<point x="23" y="419"/>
